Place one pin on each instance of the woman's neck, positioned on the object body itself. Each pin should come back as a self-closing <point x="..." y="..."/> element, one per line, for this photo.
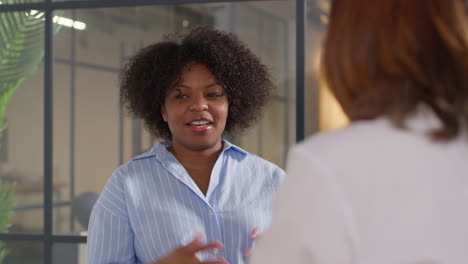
<point x="197" y="163"/>
<point x="196" y="158"/>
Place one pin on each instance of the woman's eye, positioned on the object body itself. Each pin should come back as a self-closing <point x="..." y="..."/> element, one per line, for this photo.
<point x="181" y="96"/>
<point x="214" y="95"/>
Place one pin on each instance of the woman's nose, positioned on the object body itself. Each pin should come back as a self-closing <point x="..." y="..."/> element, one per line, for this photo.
<point x="199" y="104"/>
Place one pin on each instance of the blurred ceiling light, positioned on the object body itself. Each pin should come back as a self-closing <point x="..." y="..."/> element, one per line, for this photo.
<point x="185" y="23"/>
<point x="69" y="22"/>
<point x="35" y="13"/>
<point x="63" y="21"/>
<point x="59" y="20"/>
<point x="79" y="25"/>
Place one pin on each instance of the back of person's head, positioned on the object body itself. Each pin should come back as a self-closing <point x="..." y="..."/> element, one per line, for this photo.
<point x="386" y="57"/>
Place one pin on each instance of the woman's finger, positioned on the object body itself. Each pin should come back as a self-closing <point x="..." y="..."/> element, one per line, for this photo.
<point x="256" y="233"/>
<point x="197" y="245"/>
<point x="215" y="261"/>
<point x="210" y="245"/>
<point x="248" y="252"/>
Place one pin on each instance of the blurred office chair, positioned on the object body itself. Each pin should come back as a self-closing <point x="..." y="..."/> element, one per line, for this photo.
<point x="82" y="206"/>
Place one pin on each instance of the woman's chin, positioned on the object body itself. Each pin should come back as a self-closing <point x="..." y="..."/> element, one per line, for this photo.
<point x="204" y="144"/>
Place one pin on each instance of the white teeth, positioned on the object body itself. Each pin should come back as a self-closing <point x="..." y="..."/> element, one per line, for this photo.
<point x="199" y="123"/>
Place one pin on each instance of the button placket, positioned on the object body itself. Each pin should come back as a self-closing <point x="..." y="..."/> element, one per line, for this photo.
<point x="216" y="252"/>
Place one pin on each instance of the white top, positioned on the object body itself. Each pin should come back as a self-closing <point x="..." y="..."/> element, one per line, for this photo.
<point x="372" y="194"/>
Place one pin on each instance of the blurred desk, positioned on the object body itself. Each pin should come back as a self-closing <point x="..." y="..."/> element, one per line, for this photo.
<point x="33" y="187"/>
<point x="25" y="189"/>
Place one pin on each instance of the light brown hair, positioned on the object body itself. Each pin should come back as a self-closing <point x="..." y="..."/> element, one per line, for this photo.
<point x="385" y="57"/>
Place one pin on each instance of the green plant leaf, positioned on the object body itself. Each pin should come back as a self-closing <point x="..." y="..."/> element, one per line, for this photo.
<point x="21" y="51"/>
<point x="7" y="203"/>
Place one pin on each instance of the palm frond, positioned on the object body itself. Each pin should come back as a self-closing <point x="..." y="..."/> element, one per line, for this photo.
<point x="21" y="46"/>
<point x="21" y="50"/>
<point x="7" y="202"/>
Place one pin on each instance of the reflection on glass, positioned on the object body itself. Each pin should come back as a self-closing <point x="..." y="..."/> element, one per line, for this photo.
<point x="271" y="35"/>
<point x="12" y="2"/>
<point x="20" y="252"/>
<point x="93" y="135"/>
<point x="21" y="118"/>
<point x="324" y="112"/>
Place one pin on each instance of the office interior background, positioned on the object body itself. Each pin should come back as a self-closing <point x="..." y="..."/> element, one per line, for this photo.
<point x="63" y="131"/>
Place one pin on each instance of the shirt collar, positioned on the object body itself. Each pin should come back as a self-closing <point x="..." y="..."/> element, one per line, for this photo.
<point x="169" y="162"/>
<point x="159" y="150"/>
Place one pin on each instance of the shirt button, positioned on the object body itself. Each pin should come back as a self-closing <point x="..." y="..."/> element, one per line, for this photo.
<point x="211" y="213"/>
<point x="215" y="251"/>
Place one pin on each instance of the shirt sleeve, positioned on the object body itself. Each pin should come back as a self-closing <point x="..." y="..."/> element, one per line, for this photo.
<point x="110" y="237"/>
<point x="310" y="222"/>
<point x="279" y="176"/>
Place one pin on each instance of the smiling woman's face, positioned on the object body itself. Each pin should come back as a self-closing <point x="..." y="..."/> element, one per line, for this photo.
<point x="196" y="109"/>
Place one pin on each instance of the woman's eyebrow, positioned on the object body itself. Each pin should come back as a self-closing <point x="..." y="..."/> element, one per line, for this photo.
<point x="183" y="86"/>
<point x="212" y="85"/>
<point x="188" y="87"/>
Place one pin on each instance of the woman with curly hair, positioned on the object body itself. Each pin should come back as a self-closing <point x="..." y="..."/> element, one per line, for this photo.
<point x="195" y="197"/>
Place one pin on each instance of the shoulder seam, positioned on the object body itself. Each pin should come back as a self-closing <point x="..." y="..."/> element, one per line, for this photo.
<point x="109" y="211"/>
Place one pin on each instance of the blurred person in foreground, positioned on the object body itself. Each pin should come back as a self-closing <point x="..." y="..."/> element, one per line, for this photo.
<point x="392" y="187"/>
<point x="195" y="197"/>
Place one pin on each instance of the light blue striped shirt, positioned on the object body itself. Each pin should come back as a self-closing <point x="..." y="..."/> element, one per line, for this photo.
<point x="151" y="205"/>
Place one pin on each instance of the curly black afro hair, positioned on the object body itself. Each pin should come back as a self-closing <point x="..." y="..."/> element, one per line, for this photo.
<point x="146" y="78"/>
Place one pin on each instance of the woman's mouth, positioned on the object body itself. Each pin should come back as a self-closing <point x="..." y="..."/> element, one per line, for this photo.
<point x="200" y="126"/>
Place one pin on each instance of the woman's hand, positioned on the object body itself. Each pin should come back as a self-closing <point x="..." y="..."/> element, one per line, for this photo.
<point x="255" y="234"/>
<point x="186" y="254"/>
